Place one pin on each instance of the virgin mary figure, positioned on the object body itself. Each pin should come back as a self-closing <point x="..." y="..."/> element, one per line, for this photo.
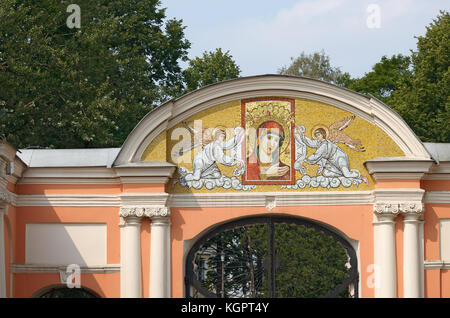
<point x="264" y="163"/>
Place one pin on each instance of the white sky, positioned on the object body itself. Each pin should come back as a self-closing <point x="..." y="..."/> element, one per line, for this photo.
<point x="262" y="35"/>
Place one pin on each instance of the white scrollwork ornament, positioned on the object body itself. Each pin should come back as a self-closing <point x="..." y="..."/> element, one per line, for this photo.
<point x="386" y="208"/>
<point x="411" y="207"/>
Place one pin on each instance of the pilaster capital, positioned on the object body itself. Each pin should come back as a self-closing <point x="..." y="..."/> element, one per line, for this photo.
<point x="152" y="211"/>
<point x="386" y="209"/>
<point x="413" y="211"/>
<point x="410" y="208"/>
<point x="416" y="208"/>
<point x="5" y="197"/>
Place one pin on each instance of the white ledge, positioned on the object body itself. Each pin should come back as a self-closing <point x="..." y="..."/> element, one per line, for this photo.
<point x="48" y="268"/>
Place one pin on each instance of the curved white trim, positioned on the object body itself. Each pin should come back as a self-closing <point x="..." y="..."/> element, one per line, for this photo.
<point x="172" y="112"/>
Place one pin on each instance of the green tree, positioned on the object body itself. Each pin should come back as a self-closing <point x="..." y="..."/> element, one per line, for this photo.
<point x="424" y="99"/>
<point x="235" y="263"/>
<point x="385" y="78"/>
<point x="318" y="66"/>
<point x="89" y="86"/>
<point x="212" y="67"/>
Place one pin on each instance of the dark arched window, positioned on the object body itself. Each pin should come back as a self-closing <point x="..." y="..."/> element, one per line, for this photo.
<point x="271" y="256"/>
<point x="62" y="291"/>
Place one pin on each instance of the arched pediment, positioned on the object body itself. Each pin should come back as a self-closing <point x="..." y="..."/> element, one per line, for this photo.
<point x="175" y="111"/>
<point x="356" y="128"/>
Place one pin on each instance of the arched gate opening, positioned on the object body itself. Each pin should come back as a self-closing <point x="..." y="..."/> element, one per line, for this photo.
<point x="271" y="257"/>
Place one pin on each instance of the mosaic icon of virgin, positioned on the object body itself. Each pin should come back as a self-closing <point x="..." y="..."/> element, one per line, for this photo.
<point x="264" y="163"/>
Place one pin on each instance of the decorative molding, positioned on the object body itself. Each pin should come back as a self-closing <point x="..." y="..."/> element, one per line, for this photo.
<point x="261" y="199"/>
<point x="398" y="194"/>
<point x="271" y="203"/>
<point x="198" y="199"/>
<point x="398" y="175"/>
<point x="386" y="209"/>
<point x="5" y="197"/>
<point x="144" y="199"/>
<point x="146" y="169"/>
<point x="437" y="197"/>
<point x="410" y="208"/>
<point x="398" y="167"/>
<point x="144" y="212"/>
<point x="162" y="180"/>
<point x="413" y="208"/>
<point x="436" y="176"/>
<point x="69" y="172"/>
<point x="68" y="200"/>
<point x="47" y="268"/>
<point x="81" y="180"/>
<point x="442" y="168"/>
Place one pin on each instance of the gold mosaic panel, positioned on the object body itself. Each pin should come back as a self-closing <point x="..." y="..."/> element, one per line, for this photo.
<point x="310" y="114"/>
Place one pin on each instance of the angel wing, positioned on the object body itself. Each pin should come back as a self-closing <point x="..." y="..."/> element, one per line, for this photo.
<point x="180" y="149"/>
<point x="338" y="135"/>
<point x="342" y="124"/>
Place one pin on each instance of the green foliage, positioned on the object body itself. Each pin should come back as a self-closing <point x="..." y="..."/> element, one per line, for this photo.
<point x="212" y="67"/>
<point x="385" y="78"/>
<point x="423" y="100"/>
<point x="311" y="263"/>
<point x="317" y="66"/>
<point x="86" y="87"/>
<point x="307" y="262"/>
<point x="417" y="87"/>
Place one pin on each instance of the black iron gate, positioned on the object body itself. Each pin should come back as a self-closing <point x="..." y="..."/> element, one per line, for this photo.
<point x="271" y="256"/>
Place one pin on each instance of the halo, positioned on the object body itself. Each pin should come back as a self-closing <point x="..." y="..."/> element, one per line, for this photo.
<point x="215" y="129"/>
<point x="325" y="127"/>
<point x="267" y="111"/>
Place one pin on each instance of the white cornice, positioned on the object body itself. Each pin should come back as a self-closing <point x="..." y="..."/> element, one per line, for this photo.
<point x="144" y="199"/>
<point x="198" y="200"/>
<point x="68" y="200"/>
<point x="46" y="268"/>
<point x="69" y="172"/>
<point x="437" y="176"/>
<point x="46" y="180"/>
<point x="146" y="172"/>
<point x="398" y="194"/>
<point x="437" y="197"/>
<point x="146" y="169"/>
<point x="398" y="168"/>
<point x="260" y="199"/>
<point x="278" y="198"/>
<point x="439" y="171"/>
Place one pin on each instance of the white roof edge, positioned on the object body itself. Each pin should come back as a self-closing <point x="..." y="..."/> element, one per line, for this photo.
<point x="86" y="157"/>
<point x="438" y="151"/>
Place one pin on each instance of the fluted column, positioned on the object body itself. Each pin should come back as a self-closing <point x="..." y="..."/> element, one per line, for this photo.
<point x="131" y="270"/>
<point x="160" y="253"/>
<point x="413" y="214"/>
<point x="384" y="244"/>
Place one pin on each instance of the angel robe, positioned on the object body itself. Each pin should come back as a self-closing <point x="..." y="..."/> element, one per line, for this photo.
<point x="332" y="160"/>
